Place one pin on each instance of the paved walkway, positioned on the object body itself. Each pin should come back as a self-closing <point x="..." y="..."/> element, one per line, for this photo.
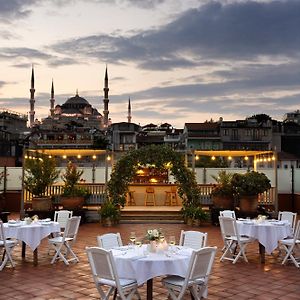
<point x="239" y="281"/>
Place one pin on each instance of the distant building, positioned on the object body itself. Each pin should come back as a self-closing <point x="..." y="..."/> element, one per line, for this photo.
<point x="290" y="138"/>
<point x="12" y="131"/>
<point x="152" y="134"/>
<point x="248" y="134"/>
<point x="202" y="136"/>
<point x="123" y="136"/>
<point x="292" y="117"/>
<point x="74" y="124"/>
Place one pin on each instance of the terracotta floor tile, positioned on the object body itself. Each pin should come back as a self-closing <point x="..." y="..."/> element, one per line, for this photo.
<point x="60" y="282"/>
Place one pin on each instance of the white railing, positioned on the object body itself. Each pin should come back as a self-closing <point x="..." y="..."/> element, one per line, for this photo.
<point x="96" y="176"/>
<point x="96" y="191"/>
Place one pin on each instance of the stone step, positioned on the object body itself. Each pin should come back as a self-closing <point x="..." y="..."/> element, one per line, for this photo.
<point x="151" y="215"/>
<point x="146" y="221"/>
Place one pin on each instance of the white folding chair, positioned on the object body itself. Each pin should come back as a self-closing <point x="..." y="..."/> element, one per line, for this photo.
<point x="288" y="216"/>
<point x="196" y="278"/>
<point x="105" y="275"/>
<point x="7" y="245"/>
<point x="289" y="245"/>
<point x="228" y="213"/>
<point x="193" y="239"/>
<point x="66" y="241"/>
<point x="109" y="240"/>
<point x="62" y="216"/>
<point x="233" y="240"/>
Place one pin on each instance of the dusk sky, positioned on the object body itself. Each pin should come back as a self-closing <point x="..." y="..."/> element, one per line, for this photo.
<point x="178" y="60"/>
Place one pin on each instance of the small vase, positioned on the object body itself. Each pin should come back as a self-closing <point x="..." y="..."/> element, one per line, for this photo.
<point x="152" y="246"/>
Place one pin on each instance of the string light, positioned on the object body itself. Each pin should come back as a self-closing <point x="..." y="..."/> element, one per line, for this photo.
<point x="197" y="157"/>
<point x="78" y="156"/>
<point x="246" y="158"/>
<point x="229" y="158"/>
<point x="213" y="158"/>
<point x="64" y="156"/>
<point x="94" y="156"/>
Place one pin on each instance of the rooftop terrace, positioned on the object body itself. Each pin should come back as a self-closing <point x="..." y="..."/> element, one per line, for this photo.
<point x="240" y="281"/>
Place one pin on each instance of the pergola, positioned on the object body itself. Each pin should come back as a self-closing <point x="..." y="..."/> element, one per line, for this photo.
<point x="70" y="152"/>
<point x="259" y="156"/>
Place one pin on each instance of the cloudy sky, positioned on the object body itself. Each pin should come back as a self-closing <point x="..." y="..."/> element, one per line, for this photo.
<point x="178" y="60"/>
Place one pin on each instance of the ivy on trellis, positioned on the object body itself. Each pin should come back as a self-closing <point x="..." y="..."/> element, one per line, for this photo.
<point x="163" y="157"/>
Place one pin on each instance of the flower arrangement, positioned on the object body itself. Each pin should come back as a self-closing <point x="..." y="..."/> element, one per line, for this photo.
<point x="261" y="218"/>
<point x="154" y="234"/>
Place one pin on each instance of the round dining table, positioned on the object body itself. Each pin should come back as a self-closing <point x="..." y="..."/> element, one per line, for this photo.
<point x="134" y="262"/>
<point x="267" y="232"/>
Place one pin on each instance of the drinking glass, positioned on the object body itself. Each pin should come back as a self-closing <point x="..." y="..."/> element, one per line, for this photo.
<point x="132" y="237"/>
<point x="172" y="240"/>
<point x="138" y="243"/>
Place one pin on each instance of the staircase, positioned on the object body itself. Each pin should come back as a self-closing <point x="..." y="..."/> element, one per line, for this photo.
<point x="151" y="214"/>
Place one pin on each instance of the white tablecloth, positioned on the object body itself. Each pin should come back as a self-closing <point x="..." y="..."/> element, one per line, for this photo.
<point x="267" y="233"/>
<point x="133" y="264"/>
<point x="30" y="234"/>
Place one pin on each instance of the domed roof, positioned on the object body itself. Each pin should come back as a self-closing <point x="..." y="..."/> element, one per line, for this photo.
<point x="77" y="100"/>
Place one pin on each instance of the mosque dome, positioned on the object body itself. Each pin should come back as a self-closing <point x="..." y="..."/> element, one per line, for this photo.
<point x="77" y="100"/>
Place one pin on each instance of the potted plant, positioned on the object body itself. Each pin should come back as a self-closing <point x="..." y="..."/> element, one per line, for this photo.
<point x="109" y="213"/>
<point x="40" y="173"/>
<point x="199" y="216"/>
<point x="193" y="215"/>
<point x="222" y="192"/>
<point x="73" y="195"/>
<point x="187" y="212"/>
<point x="247" y="187"/>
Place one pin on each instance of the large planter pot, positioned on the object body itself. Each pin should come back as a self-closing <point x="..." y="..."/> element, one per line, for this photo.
<point x="41" y="203"/>
<point x="72" y="202"/>
<point x="248" y="203"/>
<point x="224" y="202"/>
<point x="189" y="221"/>
<point x="107" y="222"/>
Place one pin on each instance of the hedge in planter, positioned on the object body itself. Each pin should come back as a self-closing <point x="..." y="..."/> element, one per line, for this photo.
<point x="247" y="187"/>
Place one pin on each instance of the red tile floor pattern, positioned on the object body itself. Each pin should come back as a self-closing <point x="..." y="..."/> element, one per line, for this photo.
<point x="240" y="281"/>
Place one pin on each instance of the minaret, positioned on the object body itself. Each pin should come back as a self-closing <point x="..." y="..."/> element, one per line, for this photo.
<point x="129" y="111"/>
<point x="105" y="100"/>
<point x="52" y="100"/>
<point x="32" y="101"/>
